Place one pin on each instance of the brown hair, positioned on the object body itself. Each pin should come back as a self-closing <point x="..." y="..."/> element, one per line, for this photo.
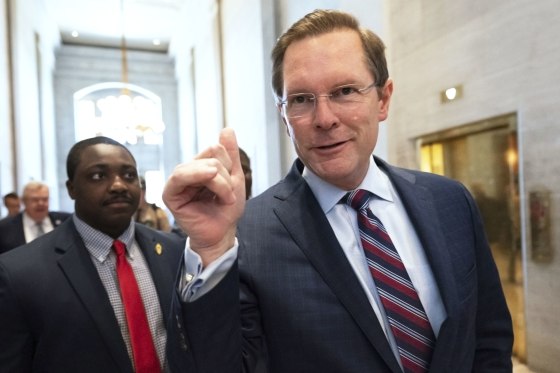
<point x="321" y="22"/>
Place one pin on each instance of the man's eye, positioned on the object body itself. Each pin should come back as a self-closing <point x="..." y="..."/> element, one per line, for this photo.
<point x="300" y="99"/>
<point x="97" y="176"/>
<point x="344" y="91"/>
<point x="130" y="175"/>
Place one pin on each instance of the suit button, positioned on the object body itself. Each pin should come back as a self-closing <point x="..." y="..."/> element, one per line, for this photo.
<point x="184" y="346"/>
<point x="183" y="342"/>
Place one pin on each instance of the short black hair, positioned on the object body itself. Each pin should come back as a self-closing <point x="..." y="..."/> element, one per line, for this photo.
<point x="76" y="151"/>
<point x="12" y="195"/>
<point x="243" y="156"/>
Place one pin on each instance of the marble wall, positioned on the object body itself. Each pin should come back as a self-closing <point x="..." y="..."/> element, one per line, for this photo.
<point x="505" y="55"/>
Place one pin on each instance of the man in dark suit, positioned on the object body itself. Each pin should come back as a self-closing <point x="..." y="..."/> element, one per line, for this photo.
<point x="62" y="300"/>
<point x="346" y="265"/>
<point x="33" y="221"/>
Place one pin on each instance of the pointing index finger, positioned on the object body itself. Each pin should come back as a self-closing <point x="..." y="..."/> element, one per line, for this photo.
<point x="229" y="142"/>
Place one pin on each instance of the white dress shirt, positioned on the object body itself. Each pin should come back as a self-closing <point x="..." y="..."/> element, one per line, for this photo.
<point x="30" y="229"/>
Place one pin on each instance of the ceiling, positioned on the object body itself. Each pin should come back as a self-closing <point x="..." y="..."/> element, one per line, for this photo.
<point x="102" y="22"/>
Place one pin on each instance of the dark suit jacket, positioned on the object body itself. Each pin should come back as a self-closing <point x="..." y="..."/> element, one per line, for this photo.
<point x="11" y="229"/>
<point x="55" y="315"/>
<point x="301" y="298"/>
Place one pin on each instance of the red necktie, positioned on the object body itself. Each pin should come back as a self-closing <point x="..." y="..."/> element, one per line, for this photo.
<point x="143" y="350"/>
<point x="405" y="313"/>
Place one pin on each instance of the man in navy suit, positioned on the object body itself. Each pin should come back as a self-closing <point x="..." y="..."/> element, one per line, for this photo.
<point x="295" y="288"/>
<point x="33" y="221"/>
<point x="60" y="305"/>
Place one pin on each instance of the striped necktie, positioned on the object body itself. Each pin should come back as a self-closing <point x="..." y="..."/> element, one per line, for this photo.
<point x="410" y="326"/>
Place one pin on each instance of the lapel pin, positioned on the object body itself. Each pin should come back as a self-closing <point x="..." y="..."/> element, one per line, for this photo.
<point x="158" y="248"/>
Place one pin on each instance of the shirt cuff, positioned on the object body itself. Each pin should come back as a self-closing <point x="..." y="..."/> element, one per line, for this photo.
<point x="196" y="280"/>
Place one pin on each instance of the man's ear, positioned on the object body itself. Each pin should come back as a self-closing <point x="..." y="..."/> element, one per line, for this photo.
<point x="385" y="100"/>
<point x="70" y="188"/>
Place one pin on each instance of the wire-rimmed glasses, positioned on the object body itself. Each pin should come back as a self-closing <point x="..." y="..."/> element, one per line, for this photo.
<point x="300" y="107"/>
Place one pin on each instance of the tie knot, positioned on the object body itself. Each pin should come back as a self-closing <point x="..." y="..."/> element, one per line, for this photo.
<point x="357" y="199"/>
<point x="39" y="227"/>
<point x="120" y="247"/>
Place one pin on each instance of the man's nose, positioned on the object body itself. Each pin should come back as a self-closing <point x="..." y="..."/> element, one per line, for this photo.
<point x="324" y="116"/>
<point x="118" y="183"/>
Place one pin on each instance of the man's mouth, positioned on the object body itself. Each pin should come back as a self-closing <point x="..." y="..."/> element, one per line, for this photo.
<point x="118" y="201"/>
<point x="331" y="146"/>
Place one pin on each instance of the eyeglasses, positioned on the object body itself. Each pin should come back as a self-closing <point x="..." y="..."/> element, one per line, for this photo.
<point x="301" y="106"/>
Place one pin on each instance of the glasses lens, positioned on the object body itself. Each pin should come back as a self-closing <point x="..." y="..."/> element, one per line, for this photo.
<point x="300" y="105"/>
<point x="348" y="94"/>
<point x="344" y="98"/>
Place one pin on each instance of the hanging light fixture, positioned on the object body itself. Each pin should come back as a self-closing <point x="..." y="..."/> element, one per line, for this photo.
<point x="130" y="115"/>
<point x="124" y="57"/>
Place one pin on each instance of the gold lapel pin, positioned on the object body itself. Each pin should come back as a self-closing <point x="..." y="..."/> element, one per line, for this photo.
<point x="158" y="248"/>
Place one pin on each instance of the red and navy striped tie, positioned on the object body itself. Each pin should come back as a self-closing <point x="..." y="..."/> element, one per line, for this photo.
<point x="407" y="319"/>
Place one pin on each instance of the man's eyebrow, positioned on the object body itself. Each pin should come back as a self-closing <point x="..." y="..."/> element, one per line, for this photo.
<point x="97" y="165"/>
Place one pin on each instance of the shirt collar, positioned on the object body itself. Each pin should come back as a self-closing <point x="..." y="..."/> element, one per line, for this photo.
<point x="98" y="243"/>
<point x="28" y="222"/>
<point x="328" y="195"/>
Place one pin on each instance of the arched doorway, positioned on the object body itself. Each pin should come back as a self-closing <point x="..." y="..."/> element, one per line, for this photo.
<point x="131" y="115"/>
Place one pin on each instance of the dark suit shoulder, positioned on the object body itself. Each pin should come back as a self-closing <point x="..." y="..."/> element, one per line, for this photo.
<point x="11" y="232"/>
<point x="58" y="217"/>
<point x="146" y="231"/>
<point x="433" y="182"/>
<point x="415" y="175"/>
<point x="39" y="256"/>
<point x="280" y="191"/>
<point x="8" y="221"/>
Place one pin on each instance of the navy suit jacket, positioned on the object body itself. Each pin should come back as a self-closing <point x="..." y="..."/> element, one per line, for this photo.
<point x="11" y="229"/>
<point x="55" y="315"/>
<point x="301" y="301"/>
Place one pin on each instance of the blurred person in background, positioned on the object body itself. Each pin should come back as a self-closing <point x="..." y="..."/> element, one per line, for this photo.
<point x="34" y="221"/>
<point x="12" y="203"/>
<point x="149" y="213"/>
<point x="246" y="166"/>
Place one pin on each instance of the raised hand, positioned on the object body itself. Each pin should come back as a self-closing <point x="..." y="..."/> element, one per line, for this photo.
<point x="207" y="197"/>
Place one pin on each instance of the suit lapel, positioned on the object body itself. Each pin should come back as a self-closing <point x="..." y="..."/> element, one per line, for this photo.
<point x="419" y="204"/>
<point x="55" y="220"/>
<point x="421" y="209"/>
<point x="76" y="264"/>
<point x="155" y="254"/>
<point x="320" y="245"/>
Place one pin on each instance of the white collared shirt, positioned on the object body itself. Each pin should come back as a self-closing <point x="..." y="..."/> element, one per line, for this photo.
<point x="30" y="227"/>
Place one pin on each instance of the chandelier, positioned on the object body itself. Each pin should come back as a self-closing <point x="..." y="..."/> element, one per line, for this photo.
<point x="129" y="115"/>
